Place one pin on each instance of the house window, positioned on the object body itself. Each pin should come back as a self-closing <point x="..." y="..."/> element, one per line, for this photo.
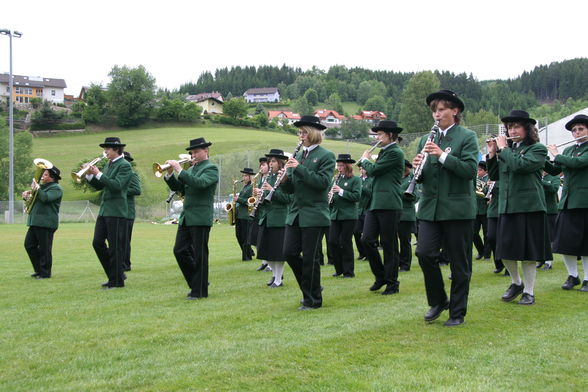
<point x="53" y="92"/>
<point x="18" y="90"/>
<point x="26" y="99"/>
<point x="39" y="92"/>
<point x="7" y="89"/>
<point x="28" y="91"/>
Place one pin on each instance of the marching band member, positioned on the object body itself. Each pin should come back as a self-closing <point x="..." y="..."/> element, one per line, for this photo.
<point x="492" y="217"/>
<point x="522" y="224"/>
<point x="263" y="173"/>
<point x="366" y="194"/>
<point x="344" y="195"/>
<point x="198" y="184"/>
<point x="407" y="224"/>
<point x="43" y="221"/>
<point x="385" y="207"/>
<point x="447" y="207"/>
<point x="308" y="179"/>
<point x="571" y="227"/>
<point x="481" y="220"/>
<point x="550" y="189"/>
<point x="243" y="220"/>
<point x="111" y="224"/>
<point x="133" y="191"/>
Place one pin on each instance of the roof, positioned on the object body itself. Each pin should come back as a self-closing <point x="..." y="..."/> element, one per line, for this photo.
<point x="289" y="115"/>
<point x="324" y="113"/>
<point x="262" y="90"/>
<point x="32" y="81"/>
<point x="203" y="96"/>
<point x="372" y="114"/>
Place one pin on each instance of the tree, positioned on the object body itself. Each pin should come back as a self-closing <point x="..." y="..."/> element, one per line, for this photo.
<point x="96" y="105"/>
<point x="190" y="112"/>
<point x="259" y="108"/>
<point x="169" y="110"/>
<point x="235" y="108"/>
<point x="23" y="161"/>
<point x="311" y="96"/>
<point x="46" y="117"/>
<point x="354" y="129"/>
<point x="377" y="103"/>
<point x="131" y="94"/>
<point x="415" y="116"/>
<point x="302" y="106"/>
<point x="481" y="117"/>
<point x="334" y="103"/>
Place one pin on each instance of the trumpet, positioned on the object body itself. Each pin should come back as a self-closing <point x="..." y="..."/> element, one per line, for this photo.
<point x="159" y="169"/>
<point x="372" y="148"/>
<point x="42" y="165"/>
<point x="77" y="176"/>
<point x="418" y="171"/>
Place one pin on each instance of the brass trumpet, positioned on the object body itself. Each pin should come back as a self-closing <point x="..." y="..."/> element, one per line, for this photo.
<point x="42" y="165"/>
<point x="77" y="176"/>
<point x="158" y="169"/>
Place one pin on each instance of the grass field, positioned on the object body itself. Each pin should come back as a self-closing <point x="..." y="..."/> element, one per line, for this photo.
<point x="66" y="334"/>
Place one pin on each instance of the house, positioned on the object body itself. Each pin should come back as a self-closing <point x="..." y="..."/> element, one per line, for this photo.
<point x="329" y="118"/>
<point x="266" y="94"/>
<point x="84" y="90"/>
<point x="373" y="117"/>
<point x="281" y="115"/>
<point x="211" y="103"/>
<point x="27" y="87"/>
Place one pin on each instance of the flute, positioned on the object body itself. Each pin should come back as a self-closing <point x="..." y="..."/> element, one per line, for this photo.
<point x="372" y="148"/>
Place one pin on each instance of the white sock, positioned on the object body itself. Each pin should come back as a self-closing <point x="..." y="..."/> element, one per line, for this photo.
<point x="278" y="272"/>
<point x="548" y="262"/>
<point x="271" y="265"/>
<point x="571" y="265"/>
<point x="585" y="264"/>
<point x="513" y="269"/>
<point x="529" y="274"/>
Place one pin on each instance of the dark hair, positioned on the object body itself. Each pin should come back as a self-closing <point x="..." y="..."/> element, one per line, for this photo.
<point x="53" y="175"/>
<point x="531" y="132"/>
<point x="119" y="149"/>
<point x="280" y="162"/>
<point x="448" y="104"/>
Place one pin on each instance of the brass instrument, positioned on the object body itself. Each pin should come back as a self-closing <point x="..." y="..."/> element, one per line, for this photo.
<point x="77" y="176"/>
<point x="480" y="184"/>
<point x="231" y="207"/>
<point x="418" y="171"/>
<point x="336" y="177"/>
<point x="259" y="199"/>
<point x="41" y="165"/>
<point x="372" y="148"/>
<point x="159" y="169"/>
<point x="281" y="176"/>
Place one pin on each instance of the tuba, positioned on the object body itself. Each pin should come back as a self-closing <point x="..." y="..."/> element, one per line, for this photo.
<point x="41" y="165"/>
<point x="77" y="176"/>
<point x="158" y="169"/>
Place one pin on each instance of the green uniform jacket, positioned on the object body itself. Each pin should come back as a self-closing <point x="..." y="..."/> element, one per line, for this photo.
<point x="366" y="195"/>
<point x="241" y="207"/>
<point x="309" y="184"/>
<point x="133" y="190"/>
<point x="481" y="202"/>
<point x="446" y="189"/>
<point x="520" y="172"/>
<point x="114" y="183"/>
<point x="408" y="203"/>
<point x="274" y="213"/>
<point x="550" y="187"/>
<point x="386" y="174"/>
<point x="492" y="211"/>
<point x="45" y="212"/>
<point x="574" y="164"/>
<point x="345" y="207"/>
<point x="198" y="185"/>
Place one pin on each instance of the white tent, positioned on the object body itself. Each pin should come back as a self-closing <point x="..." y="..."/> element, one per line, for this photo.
<point x="556" y="133"/>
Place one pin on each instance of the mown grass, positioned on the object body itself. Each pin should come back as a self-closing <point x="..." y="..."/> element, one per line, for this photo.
<point x="66" y="334"/>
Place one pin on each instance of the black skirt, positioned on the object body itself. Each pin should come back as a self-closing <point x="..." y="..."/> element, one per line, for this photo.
<point x="270" y="243"/>
<point x="523" y="236"/>
<point x="571" y="232"/>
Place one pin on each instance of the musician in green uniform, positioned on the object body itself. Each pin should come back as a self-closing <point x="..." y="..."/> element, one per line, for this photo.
<point x="366" y="194"/>
<point x="492" y="217"/>
<point x="253" y="234"/>
<point x="133" y="191"/>
<point x="551" y="185"/>
<point x="481" y="220"/>
<point x="407" y="224"/>
<point x="243" y="221"/>
<point x="43" y="221"/>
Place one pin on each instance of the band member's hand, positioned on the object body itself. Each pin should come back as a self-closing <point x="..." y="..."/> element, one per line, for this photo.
<point x="501" y="142"/>
<point x="266" y="187"/>
<point x="292" y="162"/>
<point x="336" y="188"/>
<point x="26" y="195"/>
<point x="553" y="150"/>
<point x="417" y="160"/>
<point x="491" y="147"/>
<point x="175" y="165"/>
<point x="234" y="198"/>
<point x="93" y="170"/>
<point x="433" y="149"/>
<point x="35" y="185"/>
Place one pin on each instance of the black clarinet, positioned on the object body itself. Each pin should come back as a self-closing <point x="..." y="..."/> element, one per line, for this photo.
<point x="418" y="171"/>
<point x="281" y="176"/>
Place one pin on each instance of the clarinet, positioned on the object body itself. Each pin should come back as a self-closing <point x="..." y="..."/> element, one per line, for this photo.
<point x="418" y="171"/>
<point x="336" y="179"/>
<point x="281" y="176"/>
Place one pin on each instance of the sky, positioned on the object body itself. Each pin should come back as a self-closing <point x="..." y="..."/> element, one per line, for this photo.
<point x="80" y="41"/>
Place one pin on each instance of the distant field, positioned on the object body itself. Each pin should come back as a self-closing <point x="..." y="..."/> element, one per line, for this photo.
<point x="350" y="108"/>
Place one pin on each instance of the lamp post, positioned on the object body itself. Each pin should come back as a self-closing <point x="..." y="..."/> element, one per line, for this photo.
<point x="10" y="34"/>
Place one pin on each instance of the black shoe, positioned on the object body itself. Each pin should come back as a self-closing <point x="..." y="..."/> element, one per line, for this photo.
<point x="454" y="322"/>
<point x="191" y="297"/>
<point x="105" y="284"/>
<point x="34" y="275"/>
<point x="478" y="257"/>
<point x="391" y="289"/>
<point x="273" y="285"/>
<point x="512" y="292"/>
<point x="527" y="299"/>
<point x="110" y="287"/>
<point x="546" y="267"/>
<point x="498" y="270"/>
<point x="540" y="264"/>
<point x="435" y="311"/>
<point x="271" y="281"/>
<point x="303" y="307"/>
<point x="361" y="257"/>
<point x="349" y="275"/>
<point x="403" y="269"/>
<point x="571" y="282"/>
<point x="377" y="286"/>
<point x="584" y="287"/>
<point x="42" y="277"/>
<point x="262" y="267"/>
<point x="335" y="275"/>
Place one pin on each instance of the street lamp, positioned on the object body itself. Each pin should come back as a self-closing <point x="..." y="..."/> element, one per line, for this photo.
<point x="10" y="34"/>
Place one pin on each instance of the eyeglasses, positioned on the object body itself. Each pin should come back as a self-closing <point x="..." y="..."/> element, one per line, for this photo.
<point x="303" y="132"/>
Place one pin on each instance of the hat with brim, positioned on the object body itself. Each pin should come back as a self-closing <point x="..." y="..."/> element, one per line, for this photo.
<point x="482" y="165"/>
<point x="311" y="121"/>
<point x="248" y="170"/>
<point x="262" y="159"/>
<point x="407" y="164"/>
<point x="578" y="119"/>
<point x="276" y="153"/>
<point x="518" y="116"/>
<point x="198" y="143"/>
<point x="55" y="173"/>
<point x="387" y="126"/>
<point x="112" y="142"/>
<point x="128" y="156"/>
<point x="345" y="158"/>
<point x="446" y="95"/>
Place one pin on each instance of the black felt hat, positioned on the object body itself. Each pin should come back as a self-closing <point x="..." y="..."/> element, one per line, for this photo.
<point x="262" y="159"/>
<point x="578" y="119"/>
<point x="248" y="170"/>
<point x="482" y="165"/>
<point x="198" y="143"/>
<point x="276" y="153"/>
<point x="112" y="142"/>
<point x="55" y="173"/>
<point x="387" y="126"/>
<point x="311" y="121"/>
<point x="446" y="95"/>
<point x="346" y="158"/>
<point x="407" y="164"/>
<point x="128" y="156"/>
<point x="518" y="116"/>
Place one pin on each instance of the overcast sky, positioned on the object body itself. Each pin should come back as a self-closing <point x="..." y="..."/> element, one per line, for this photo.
<point x="80" y="41"/>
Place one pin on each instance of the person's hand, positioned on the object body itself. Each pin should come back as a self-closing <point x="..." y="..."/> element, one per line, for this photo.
<point x="433" y="149"/>
<point x="336" y="188"/>
<point x="93" y="170"/>
<point x="417" y="160"/>
<point x="292" y="162"/>
<point x="35" y="185"/>
<point x="501" y="142"/>
<point x="26" y="195"/>
<point x="553" y="150"/>
<point x="175" y="165"/>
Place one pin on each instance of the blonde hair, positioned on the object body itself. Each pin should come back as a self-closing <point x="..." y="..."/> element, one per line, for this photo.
<point x="315" y="136"/>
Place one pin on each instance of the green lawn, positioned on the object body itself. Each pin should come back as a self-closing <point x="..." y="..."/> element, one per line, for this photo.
<point x="66" y="334"/>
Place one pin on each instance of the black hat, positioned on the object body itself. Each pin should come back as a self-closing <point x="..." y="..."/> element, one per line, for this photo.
<point x="262" y="159"/>
<point x="247" y="170"/>
<point x="346" y="158"/>
<point x="128" y="156"/>
<point x="198" y="143"/>
<point x="112" y="142"/>
<point x="578" y="119"/>
<point x="446" y="95"/>
<point x="407" y="164"/>
<point x="311" y="121"/>
<point x="387" y="126"/>
<point x="482" y="165"/>
<point x="518" y="116"/>
<point x="55" y="172"/>
<point x="276" y="153"/>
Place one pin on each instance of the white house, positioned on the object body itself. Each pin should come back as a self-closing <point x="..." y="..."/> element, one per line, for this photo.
<point x="27" y="87"/>
<point x="265" y="94"/>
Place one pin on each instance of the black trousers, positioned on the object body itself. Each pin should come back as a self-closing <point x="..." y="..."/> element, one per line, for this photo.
<point x="191" y="252"/>
<point x="320" y="256"/>
<point x="243" y="234"/>
<point x="357" y="232"/>
<point x="382" y="224"/>
<point x="341" y="246"/>
<point x="483" y="247"/>
<point x="114" y="230"/>
<point x="301" y="246"/>
<point x="39" y="244"/>
<point x="491" y="236"/>
<point x="455" y="238"/>
<point x="127" y="263"/>
<point x="405" y="229"/>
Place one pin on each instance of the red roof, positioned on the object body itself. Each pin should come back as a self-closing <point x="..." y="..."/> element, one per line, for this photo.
<point x="324" y="113"/>
<point x="289" y="115"/>
<point x="371" y="115"/>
